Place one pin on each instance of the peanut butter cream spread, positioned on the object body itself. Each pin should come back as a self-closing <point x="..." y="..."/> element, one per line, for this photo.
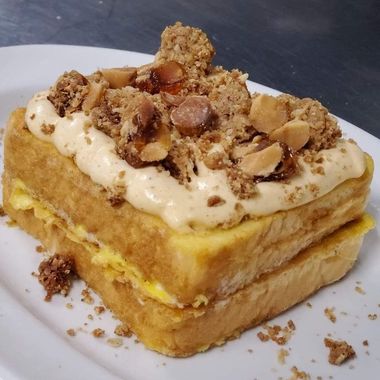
<point x="185" y="141"/>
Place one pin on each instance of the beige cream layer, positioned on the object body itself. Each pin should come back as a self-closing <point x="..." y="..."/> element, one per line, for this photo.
<point x="160" y="194"/>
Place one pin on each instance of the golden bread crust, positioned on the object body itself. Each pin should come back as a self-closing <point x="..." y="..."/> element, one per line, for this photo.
<point x="184" y="332"/>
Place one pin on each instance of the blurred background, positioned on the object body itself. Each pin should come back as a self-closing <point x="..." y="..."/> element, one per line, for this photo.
<point x="329" y="50"/>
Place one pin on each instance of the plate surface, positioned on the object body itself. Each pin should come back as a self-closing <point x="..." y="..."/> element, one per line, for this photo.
<point x="33" y="339"/>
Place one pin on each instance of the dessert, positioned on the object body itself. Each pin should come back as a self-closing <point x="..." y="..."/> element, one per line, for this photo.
<point x="192" y="207"/>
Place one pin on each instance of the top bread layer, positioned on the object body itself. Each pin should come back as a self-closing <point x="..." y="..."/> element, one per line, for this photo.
<point x="184" y="140"/>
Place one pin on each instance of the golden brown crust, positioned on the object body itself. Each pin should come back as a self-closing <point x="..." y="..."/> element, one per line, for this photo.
<point x="184" y="332"/>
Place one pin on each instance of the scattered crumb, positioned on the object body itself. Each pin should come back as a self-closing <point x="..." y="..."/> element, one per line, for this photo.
<point x="372" y="317"/>
<point x="99" y="309"/>
<point x="40" y="249"/>
<point x="329" y="313"/>
<point x="115" y="342"/>
<point x="250" y="350"/>
<point x="98" y="333"/>
<point x="365" y="342"/>
<point x="27" y="290"/>
<point x="359" y="290"/>
<point x="69" y="306"/>
<point x="299" y="375"/>
<point x="340" y="351"/>
<point x="123" y="330"/>
<point x="90" y="317"/>
<point x="276" y="333"/>
<point x="87" y="298"/>
<point x="281" y="355"/>
<point x="263" y="337"/>
<point x="308" y="304"/>
<point x="55" y="275"/>
<point x="70" y="332"/>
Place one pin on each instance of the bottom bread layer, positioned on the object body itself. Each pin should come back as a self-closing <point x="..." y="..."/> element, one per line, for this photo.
<point x="184" y="332"/>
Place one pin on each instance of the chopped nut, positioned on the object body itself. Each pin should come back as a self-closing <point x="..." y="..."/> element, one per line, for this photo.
<point x="94" y="96"/>
<point x="340" y="351"/>
<point x="192" y="116"/>
<point x="215" y="200"/>
<point x="120" y="77"/>
<point x="154" y="151"/>
<point x="98" y="333"/>
<point x="172" y="100"/>
<point x="294" y="133"/>
<point x="262" y="163"/>
<point x="267" y="113"/>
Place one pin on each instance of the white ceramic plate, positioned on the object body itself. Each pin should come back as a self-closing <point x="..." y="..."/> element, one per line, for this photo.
<point x="33" y="339"/>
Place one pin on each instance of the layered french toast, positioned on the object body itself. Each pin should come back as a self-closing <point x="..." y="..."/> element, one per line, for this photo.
<point x="194" y="208"/>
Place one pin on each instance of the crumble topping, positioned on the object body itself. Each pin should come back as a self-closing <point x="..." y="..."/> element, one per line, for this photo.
<point x="340" y="351"/>
<point x="98" y="333"/>
<point x="329" y="313"/>
<point x="277" y="334"/>
<point x="55" y="275"/>
<point x="123" y="330"/>
<point x="180" y="112"/>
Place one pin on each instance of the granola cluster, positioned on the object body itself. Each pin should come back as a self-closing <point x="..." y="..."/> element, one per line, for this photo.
<point x="55" y="275"/>
<point x="180" y="112"/>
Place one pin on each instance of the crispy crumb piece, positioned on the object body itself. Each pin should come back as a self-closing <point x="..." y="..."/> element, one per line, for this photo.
<point x="87" y="298"/>
<point x="55" y="275"/>
<point x="71" y="332"/>
<point x="329" y="313"/>
<point x="40" y="249"/>
<point x="281" y="355"/>
<point x="2" y="212"/>
<point x="123" y="330"/>
<point x="299" y="375"/>
<point x="340" y="351"/>
<point x="359" y="290"/>
<point x="372" y="317"/>
<point x="69" y="306"/>
<point x="47" y="129"/>
<point x="98" y="333"/>
<point x="99" y="309"/>
<point x="365" y="343"/>
<point x="263" y="337"/>
<point x="309" y="305"/>
<point x="115" y="342"/>
<point x="90" y="317"/>
<point x="277" y="334"/>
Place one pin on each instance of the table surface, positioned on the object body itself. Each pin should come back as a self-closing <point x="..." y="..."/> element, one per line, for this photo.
<point x="328" y="50"/>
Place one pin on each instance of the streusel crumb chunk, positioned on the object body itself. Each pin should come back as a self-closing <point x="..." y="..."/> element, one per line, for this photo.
<point x="55" y="275"/>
